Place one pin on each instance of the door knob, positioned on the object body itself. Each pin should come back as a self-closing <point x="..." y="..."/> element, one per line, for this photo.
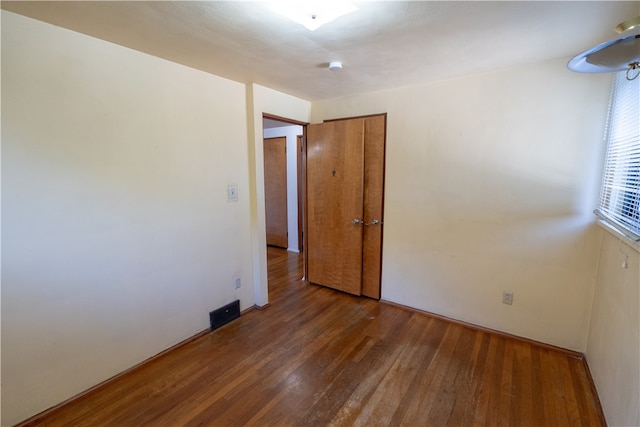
<point x="356" y="221"/>
<point x="374" y="222"/>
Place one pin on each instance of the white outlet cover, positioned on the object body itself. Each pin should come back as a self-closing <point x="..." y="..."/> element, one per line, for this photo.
<point x="507" y="297"/>
<point x="232" y="192"/>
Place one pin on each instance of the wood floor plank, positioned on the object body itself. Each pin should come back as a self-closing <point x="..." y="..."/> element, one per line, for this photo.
<point x="433" y="333"/>
<point x="522" y="408"/>
<point x="460" y="380"/>
<point x="582" y="381"/>
<point x="392" y="389"/>
<point x="462" y="410"/>
<point x="484" y="386"/>
<point x="431" y="380"/>
<point x="506" y="391"/>
<point x="318" y="357"/>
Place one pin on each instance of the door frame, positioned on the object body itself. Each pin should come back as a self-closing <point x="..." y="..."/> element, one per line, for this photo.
<point x="301" y="164"/>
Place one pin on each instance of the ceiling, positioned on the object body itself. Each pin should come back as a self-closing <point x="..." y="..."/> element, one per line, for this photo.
<point x="385" y="44"/>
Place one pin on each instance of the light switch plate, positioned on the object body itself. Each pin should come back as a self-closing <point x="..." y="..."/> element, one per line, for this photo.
<point x="232" y="192"/>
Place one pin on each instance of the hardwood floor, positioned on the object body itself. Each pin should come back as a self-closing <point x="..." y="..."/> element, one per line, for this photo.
<point x="320" y="357"/>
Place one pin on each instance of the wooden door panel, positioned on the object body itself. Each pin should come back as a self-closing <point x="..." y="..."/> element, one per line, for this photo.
<point x="374" y="154"/>
<point x="334" y="199"/>
<point x="275" y="191"/>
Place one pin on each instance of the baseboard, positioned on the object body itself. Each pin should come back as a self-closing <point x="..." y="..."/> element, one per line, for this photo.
<point x="34" y="420"/>
<point x="566" y="351"/>
<point x="594" y="392"/>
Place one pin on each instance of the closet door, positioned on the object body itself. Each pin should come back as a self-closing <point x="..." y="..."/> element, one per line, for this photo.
<point x="374" y="149"/>
<point x="345" y="195"/>
<point x="275" y="191"/>
<point x="335" y="203"/>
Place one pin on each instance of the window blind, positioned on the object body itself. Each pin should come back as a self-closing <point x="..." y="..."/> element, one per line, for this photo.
<point x="619" y="201"/>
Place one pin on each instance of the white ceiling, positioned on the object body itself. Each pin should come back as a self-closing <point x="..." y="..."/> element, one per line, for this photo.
<point x="385" y="44"/>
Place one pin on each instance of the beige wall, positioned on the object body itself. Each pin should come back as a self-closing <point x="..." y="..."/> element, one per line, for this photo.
<point x="490" y="186"/>
<point x="117" y="235"/>
<point x="613" y="350"/>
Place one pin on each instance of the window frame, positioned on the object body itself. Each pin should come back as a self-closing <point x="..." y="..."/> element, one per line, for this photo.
<point x="619" y="200"/>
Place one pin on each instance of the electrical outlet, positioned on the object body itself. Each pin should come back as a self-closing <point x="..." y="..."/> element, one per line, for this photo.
<point x="507" y="297"/>
<point x="236" y="282"/>
<point x="232" y="192"/>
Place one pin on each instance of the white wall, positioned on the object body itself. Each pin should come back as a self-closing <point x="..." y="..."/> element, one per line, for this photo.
<point x="291" y="133"/>
<point x="117" y="235"/>
<point x="262" y="100"/>
<point x="613" y="350"/>
<point x="490" y="184"/>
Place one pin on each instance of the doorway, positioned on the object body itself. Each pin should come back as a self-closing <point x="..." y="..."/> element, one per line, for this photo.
<point x="283" y="175"/>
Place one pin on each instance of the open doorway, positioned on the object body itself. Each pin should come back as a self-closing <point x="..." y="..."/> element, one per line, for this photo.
<point x="290" y="134"/>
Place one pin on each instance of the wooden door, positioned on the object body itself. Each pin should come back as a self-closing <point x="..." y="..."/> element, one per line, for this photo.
<point x="335" y="166"/>
<point x="374" y="149"/>
<point x="275" y="191"/>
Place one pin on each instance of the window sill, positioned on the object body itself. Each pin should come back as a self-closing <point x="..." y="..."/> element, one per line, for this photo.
<point x="626" y="239"/>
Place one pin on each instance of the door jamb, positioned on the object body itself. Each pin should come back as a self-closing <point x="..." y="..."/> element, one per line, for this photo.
<point x="301" y="181"/>
<point x="301" y="174"/>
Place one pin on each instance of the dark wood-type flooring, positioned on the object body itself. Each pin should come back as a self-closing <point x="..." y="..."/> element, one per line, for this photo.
<point x="319" y="357"/>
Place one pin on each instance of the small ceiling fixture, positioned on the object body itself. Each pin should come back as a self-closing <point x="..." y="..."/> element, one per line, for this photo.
<point x="618" y="54"/>
<point x="335" y="65"/>
<point x="312" y="14"/>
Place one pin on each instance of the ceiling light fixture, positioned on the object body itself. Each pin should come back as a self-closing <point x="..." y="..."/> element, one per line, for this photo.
<point x="335" y="65"/>
<point x="618" y="54"/>
<point x="312" y="14"/>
